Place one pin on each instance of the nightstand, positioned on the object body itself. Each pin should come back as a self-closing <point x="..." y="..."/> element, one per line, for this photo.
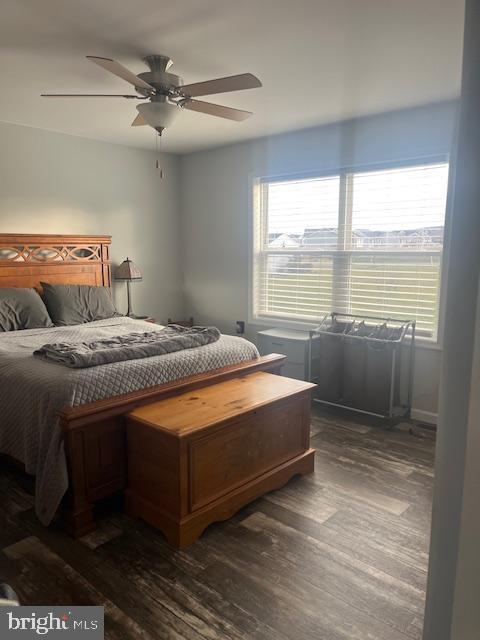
<point x="293" y="344"/>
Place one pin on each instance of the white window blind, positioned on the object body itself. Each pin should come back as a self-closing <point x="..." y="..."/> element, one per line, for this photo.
<point x="368" y="243"/>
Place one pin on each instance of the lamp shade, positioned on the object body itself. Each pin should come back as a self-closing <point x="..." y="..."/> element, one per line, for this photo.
<point x="128" y="270"/>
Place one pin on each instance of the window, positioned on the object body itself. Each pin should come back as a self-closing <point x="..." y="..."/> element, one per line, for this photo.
<point x="362" y="242"/>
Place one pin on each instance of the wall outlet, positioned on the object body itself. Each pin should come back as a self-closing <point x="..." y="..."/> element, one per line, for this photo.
<point x="240" y="327"/>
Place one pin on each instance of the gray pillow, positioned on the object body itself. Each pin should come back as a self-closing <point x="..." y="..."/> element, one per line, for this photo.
<point x="77" y="303"/>
<point x="22" y="309"/>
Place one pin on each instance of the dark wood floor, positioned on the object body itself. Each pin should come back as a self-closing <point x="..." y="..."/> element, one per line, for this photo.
<point x="341" y="554"/>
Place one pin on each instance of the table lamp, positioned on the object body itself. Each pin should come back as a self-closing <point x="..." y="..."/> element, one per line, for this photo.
<point x="128" y="272"/>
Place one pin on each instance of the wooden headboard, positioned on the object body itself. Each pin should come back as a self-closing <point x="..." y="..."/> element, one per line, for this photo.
<point x="26" y="260"/>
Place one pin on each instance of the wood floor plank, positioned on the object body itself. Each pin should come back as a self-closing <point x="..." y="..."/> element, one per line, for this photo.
<point x="101" y="535"/>
<point x="301" y="498"/>
<point x="375" y="450"/>
<point x="386" y="599"/>
<point x="389" y="559"/>
<point x="72" y="551"/>
<point x="379" y="486"/>
<point x="399" y="436"/>
<point x="367" y="457"/>
<point x="255" y="581"/>
<point x="322" y="561"/>
<point x="185" y="595"/>
<point x="344" y="486"/>
<point x="45" y="579"/>
<point x="322" y="421"/>
<point x="373" y="591"/>
<point x="391" y="537"/>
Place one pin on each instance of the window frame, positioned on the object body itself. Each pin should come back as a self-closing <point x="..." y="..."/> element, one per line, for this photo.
<point x="256" y="236"/>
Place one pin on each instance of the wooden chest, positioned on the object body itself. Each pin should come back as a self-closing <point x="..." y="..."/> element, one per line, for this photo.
<point x="199" y="457"/>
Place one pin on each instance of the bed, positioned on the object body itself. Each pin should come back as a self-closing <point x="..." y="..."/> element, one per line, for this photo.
<point x="67" y="427"/>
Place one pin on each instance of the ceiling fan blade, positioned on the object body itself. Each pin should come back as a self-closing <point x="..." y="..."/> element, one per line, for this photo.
<point x="221" y="85"/>
<point x="122" y="72"/>
<point x="91" y="95"/>
<point x="216" y="110"/>
<point x="139" y="121"/>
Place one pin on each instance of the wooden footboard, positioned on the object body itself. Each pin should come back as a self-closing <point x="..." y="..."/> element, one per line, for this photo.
<point x="95" y="436"/>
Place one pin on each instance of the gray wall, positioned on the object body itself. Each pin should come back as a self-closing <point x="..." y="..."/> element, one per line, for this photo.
<point x="452" y="606"/>
<point x="54" y="183"/>
<point x="216" y="200"/>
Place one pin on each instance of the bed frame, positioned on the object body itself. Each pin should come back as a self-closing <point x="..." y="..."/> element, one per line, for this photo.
<point x="94" y="433"/>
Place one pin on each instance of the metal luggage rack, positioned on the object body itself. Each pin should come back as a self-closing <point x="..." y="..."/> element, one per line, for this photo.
<point x="356" y="363"/>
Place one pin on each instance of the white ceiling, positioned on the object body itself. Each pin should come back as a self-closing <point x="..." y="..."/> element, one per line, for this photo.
<point x="319" y="61"/>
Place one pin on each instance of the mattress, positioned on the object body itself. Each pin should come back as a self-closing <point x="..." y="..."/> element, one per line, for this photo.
<point x="33" y="391"/>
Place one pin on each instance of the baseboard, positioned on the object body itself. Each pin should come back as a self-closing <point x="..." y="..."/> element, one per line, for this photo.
<point x="428" y="417"/>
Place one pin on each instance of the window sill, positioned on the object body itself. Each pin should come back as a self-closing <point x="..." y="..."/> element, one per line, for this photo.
<point x="424" y="343"/>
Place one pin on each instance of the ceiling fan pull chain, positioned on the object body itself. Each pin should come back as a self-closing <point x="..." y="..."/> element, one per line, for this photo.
<point x="158" y="140"/>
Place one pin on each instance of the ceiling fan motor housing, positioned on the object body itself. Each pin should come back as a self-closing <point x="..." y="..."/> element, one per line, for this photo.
<point x="164" y="83"/>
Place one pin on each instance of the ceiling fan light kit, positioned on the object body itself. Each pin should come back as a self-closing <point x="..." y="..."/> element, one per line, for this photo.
<point x="165" y="94"/>
<point x="158" y="113"/>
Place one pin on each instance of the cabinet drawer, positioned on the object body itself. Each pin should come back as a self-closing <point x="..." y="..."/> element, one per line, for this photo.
<point x="294" y="349"/>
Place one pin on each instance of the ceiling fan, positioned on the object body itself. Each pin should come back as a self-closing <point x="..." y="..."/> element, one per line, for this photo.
<point x="164" y="93"/>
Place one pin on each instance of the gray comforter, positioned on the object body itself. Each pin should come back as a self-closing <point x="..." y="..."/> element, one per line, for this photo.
<point x="132" y="346"/>
<point x="32" y="391"/>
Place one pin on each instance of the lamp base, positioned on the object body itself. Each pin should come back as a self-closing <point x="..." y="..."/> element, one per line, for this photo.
<point x="135" y="317"/>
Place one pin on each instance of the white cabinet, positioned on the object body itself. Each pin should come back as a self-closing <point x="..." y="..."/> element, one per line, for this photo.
<point x="293" y="344"/>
